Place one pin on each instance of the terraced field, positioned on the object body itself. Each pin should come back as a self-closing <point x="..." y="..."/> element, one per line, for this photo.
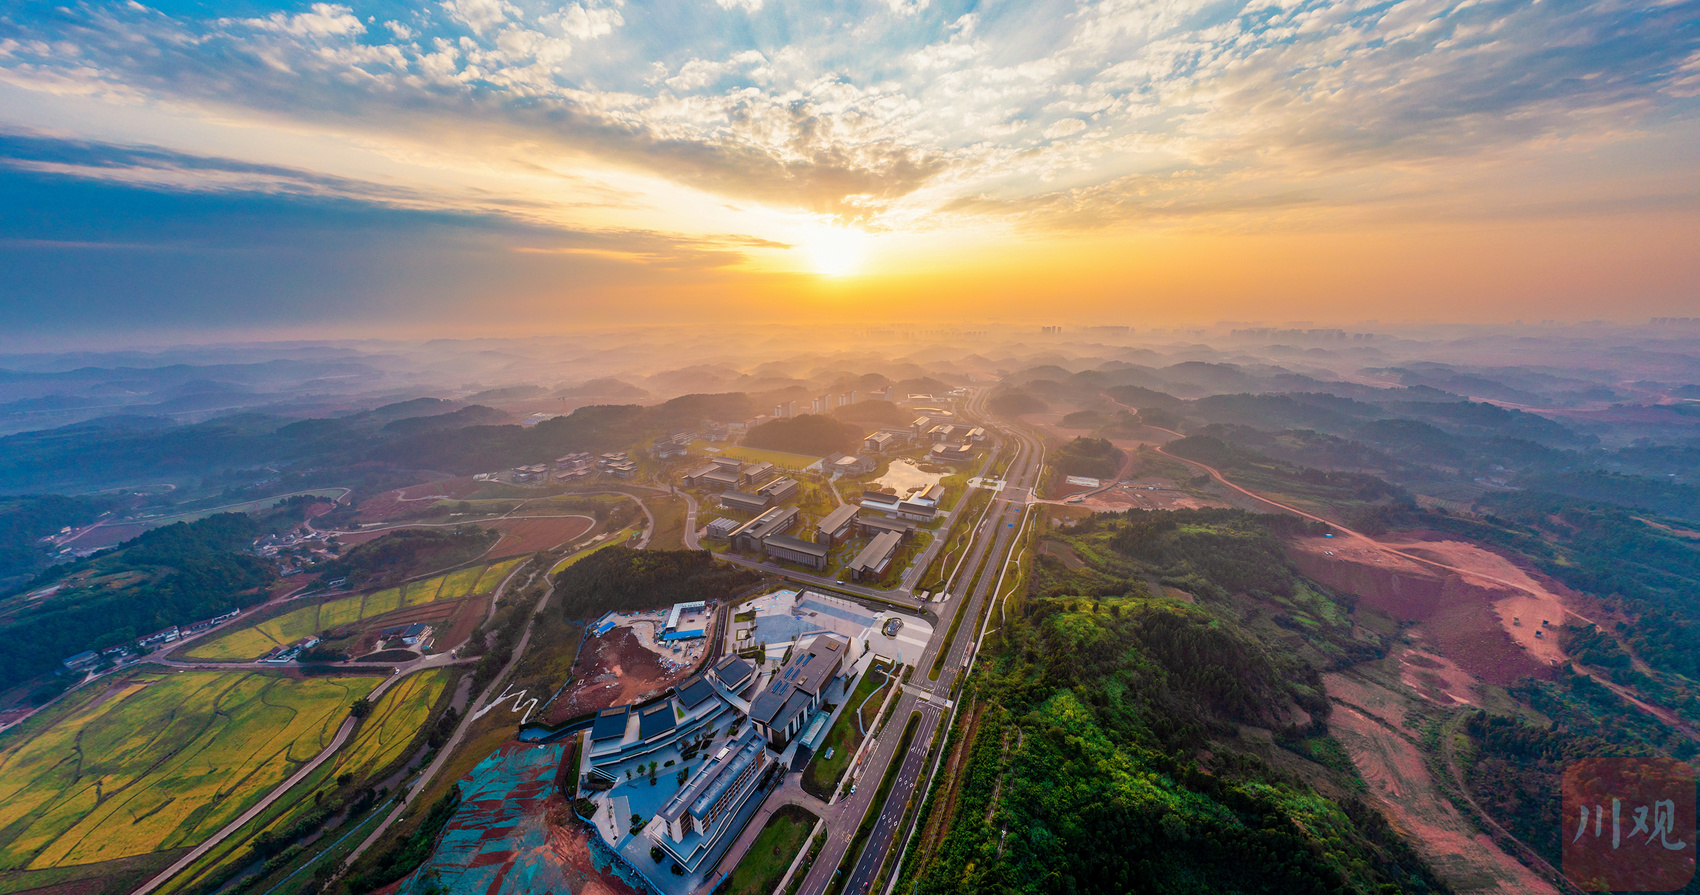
<point x="256" y="640"/>
<point x="159" y="762"/>
<point x="397" y="718"/>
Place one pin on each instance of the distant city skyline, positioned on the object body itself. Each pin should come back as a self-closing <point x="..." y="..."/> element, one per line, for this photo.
<point x="484" y="167"/>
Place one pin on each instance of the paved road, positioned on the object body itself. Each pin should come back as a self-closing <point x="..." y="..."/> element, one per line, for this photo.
<point x="466" y="720"/>
<point x="994" y="536"/>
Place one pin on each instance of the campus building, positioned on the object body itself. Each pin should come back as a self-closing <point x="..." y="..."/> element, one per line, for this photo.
<point x="797" y="550"/>
<point x="692" y="823"/>
<point x="752" y="535"/>
<point x="833" y="529"/>
<point x="780" y="710"/>
<point x="875" y="559"/>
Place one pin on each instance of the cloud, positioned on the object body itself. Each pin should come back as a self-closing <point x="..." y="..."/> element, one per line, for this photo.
<point x="907" y="112"/>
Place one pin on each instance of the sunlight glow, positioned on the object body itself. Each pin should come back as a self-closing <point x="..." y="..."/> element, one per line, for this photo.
<point x="836" y="251"/>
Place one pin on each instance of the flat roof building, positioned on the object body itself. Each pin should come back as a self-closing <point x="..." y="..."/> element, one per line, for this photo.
<point x="691" y="825"/>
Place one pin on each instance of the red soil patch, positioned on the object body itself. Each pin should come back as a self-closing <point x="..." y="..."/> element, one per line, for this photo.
<point x="1400" y="784"/>
<point x="472" y="611"/>
<point x="614" y="669"/>
<point x="1460" y="615"/>
<point x="522" y="535"/>
<point x="571" y="845"/>
<point x="106" y="536"/>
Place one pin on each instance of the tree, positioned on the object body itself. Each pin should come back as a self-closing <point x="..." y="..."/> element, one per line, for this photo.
<point x="361" y="708"/>
<point x="656" y="854"/>
<point x="683" y="773"/>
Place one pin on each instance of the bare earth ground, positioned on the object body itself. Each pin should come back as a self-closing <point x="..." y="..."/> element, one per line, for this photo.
<point x="1470" y="618"/>
<point x="571" y="845"/>
<point x="613" y="669"/>
<point x="1399" y="782"/>
<point x="522" y="535"/>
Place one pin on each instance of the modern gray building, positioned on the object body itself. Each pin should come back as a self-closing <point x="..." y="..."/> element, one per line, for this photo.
<point x="752" y="535"/>
<point x="782" y="707"/>
<point x="797" y="550"/>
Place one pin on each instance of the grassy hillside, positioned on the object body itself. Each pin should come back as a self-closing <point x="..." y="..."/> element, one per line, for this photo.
<point x="1109" y="747"/>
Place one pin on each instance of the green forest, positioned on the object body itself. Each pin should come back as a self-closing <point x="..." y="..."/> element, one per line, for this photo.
<point x="618" y="579"/>
<point x="1109" y="757"/>
<point x="1091" y="457"/>
<point x="811" y="434"/>
<point x="25" y="520"/>
<point x="177" y="574"/>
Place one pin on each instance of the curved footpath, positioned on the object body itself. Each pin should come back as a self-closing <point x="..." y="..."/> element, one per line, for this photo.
<point x="343" y="733"/>
<point x="230" y="829"/>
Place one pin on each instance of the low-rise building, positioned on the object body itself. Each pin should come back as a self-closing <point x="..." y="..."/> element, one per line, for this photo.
<point x="81" y="660"/>
<point x="950" y="453"/>
<point x="875" y="559"/>
<point x="797" y="550"/>
<point x="780" y="489"/>
<point x="835" y="528"/>
<point x="733" y="672"/>
<point x="714" y="476"/>
<point x="721" y="529"/>
<point x="756" y="473"/>
<point x="848" y="465"/>
<point x="880" y="442"/>
<point x="738" y="501"/>
<point x="751" y="535"/>
<point x="779" y="711"/>
<point x="695" y="822"/>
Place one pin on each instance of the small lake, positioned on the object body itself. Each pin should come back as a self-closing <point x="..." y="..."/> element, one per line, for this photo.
<point x="904" y="477"/>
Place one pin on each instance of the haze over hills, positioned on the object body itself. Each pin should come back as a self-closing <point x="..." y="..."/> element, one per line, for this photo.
<point x="1276" y="570"/>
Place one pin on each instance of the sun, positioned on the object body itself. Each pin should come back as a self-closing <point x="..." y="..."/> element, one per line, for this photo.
<point x="835" y="251"/>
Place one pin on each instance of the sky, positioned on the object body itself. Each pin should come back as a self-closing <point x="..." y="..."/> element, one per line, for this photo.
<point x="493" y="167"/>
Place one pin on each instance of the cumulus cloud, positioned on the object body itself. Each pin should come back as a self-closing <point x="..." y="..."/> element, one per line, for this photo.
<point x="920" y="110"/>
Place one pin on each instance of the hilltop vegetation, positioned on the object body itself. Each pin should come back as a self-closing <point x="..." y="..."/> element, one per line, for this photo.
<point x="1090" y="457"/>
<point x="173" y="575"/>
<point x="619" y="578"/>
<point x="811" y="434"/>
<point x="24" y="521"/>
<point x="1109" y="748"/>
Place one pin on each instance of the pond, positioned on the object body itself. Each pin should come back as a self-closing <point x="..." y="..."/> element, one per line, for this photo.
<point x="904" y="477"/>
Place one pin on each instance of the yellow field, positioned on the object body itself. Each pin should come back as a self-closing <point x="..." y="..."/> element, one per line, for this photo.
<point x="394" y="722"/>
<point x="493" y="575"/>
<point x="460" y="583"/>
<point x="781" y="459"/>
<point x="161" y="764"/>
<point x="421" y="591"/>
<point x="341" y="612"/>
<point x="246" y="643"/>
<point x="255" y="641"/>
<point x="386" y="600"/>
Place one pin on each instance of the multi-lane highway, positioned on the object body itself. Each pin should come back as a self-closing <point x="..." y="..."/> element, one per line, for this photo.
<point x="994" y="536"/>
